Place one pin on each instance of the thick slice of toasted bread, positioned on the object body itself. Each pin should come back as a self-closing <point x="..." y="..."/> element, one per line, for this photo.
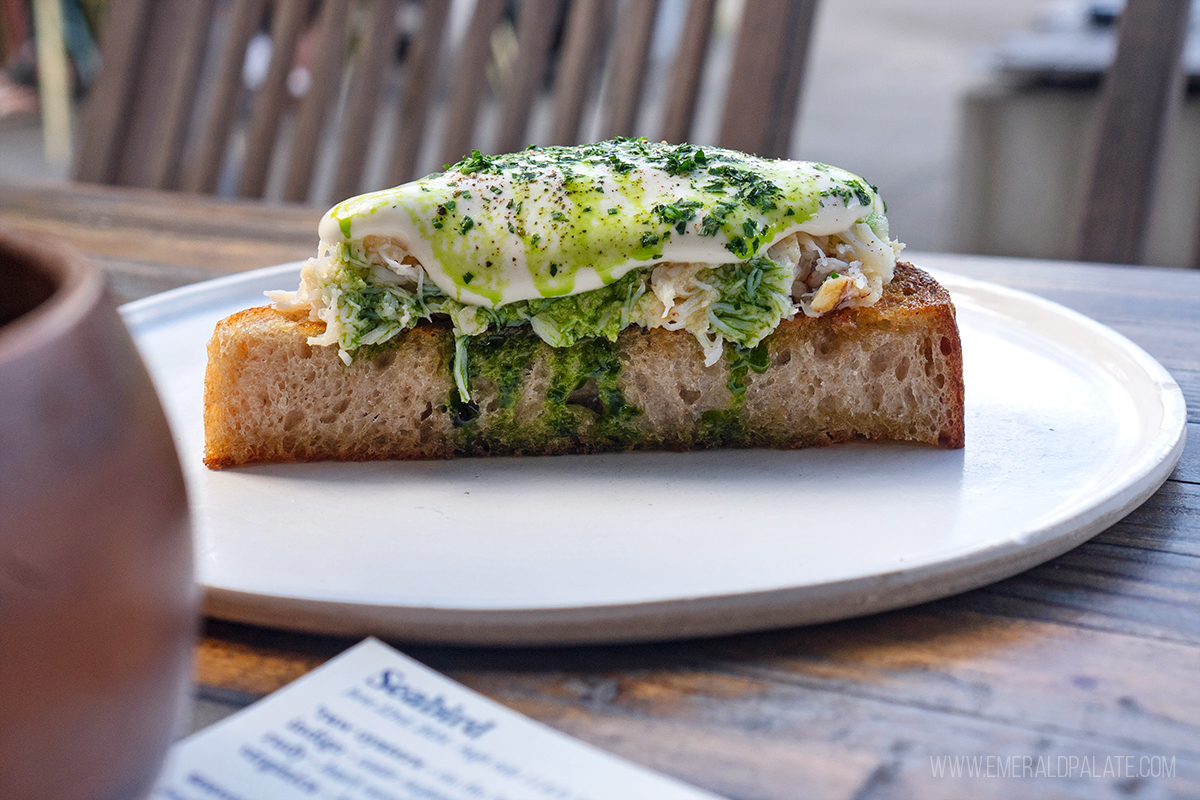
<point x="890" y="371"/>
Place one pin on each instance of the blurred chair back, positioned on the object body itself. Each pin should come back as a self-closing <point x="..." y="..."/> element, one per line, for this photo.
<point x="1142" y="91"/>
<point x="171" y="110"/>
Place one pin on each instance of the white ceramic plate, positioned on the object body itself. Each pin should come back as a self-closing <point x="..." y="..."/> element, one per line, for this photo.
<point x="1069" y="427"/>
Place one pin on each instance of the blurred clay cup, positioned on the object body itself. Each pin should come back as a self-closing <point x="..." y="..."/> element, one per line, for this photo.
<point x="97" y="601"/>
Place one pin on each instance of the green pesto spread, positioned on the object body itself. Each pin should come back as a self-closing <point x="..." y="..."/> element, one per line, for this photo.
<point x="583" y="397"/>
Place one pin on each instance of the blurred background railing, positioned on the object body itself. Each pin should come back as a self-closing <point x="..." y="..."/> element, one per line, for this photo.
<point x="267" y="98"/>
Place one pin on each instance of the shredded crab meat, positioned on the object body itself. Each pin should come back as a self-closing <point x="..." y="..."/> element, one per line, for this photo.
<point x="679" y="300"/>
<point x="830" y="272"/>
<point x="682" y="295"/>
<point x="839" y="271"/>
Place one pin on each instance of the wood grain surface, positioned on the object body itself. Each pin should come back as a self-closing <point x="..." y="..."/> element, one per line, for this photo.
<point x="1089" y="662"/>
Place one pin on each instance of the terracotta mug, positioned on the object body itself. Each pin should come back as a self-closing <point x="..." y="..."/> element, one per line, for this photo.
<point x="97" y="601"/>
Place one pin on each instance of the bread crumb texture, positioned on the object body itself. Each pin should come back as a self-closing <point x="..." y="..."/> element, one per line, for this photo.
<point x="890" y="371"/>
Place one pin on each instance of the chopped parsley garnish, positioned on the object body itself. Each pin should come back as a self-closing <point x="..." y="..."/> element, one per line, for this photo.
<point x="678" y="213"/>
<point x="683" y="159"/>
<point x="712" y="223"/>
<point x="680" y="209"/>
<point x="852" y="190"/>
<point x="476" y="162"/>
<point x="620" y="167"/>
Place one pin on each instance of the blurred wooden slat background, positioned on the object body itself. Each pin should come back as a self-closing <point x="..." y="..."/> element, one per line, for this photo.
<point x="170" y="110"/>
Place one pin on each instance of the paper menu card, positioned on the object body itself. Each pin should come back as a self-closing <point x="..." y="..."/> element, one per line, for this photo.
<point x="377" y="725"/>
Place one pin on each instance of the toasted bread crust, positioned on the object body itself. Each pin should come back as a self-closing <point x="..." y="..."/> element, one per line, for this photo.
<point x="890" y="371"/>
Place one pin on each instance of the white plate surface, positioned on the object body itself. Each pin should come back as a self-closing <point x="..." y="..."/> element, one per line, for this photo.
<point x="1069" y="427"/>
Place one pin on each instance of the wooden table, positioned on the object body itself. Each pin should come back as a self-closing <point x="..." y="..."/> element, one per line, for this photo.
<point x="1091" y="661"/>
